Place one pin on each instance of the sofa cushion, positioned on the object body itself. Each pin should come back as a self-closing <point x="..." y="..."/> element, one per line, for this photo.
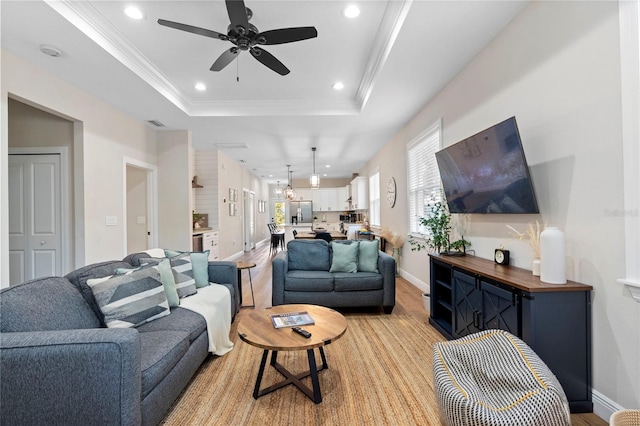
<point x="358" y="281"/>
<point x="308" y="255"/>
<point x="199" y="265"/>
<point x="44" y="304"/>
<point x="160" y="351"/>
<point x="368" y="256"/>
<point x="179" y="320"/>
<point x="308" y="281"/>
<point x="132" y="299"/>
<point x="345" y="257"/>
<point x="80" y="276"/>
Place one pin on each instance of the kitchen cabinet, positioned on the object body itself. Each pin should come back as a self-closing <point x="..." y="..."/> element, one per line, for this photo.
<point x="470" y="294"/>
<point x="327" y="200"/>
<point x="211" y="242"/>
<point x="305" y="194"/>
<point x="360" y="193"/>
<point x="343" y="198"/>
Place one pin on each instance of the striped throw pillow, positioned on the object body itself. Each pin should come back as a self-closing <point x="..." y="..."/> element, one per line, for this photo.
<point x="132" y="299"/>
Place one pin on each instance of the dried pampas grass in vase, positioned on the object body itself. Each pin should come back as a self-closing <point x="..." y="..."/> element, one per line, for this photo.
<point x="532" y="237"/>
<point x="396" y="241"/>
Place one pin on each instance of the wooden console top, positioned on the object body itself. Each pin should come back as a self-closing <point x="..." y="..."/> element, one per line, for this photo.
<point x="520" y="278"/>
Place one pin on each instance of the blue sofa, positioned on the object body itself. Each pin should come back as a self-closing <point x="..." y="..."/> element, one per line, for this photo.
<point x="60" y="365"/>
<point x="301" y="274"/>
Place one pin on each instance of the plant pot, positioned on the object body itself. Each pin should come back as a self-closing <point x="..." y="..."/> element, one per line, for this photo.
<point x="426" y="299"/>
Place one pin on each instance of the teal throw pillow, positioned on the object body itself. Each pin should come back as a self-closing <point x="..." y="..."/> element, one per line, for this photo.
<point x="200" y="262"/>
<point x="345" y="257"/>
<point x="368" y="256"/>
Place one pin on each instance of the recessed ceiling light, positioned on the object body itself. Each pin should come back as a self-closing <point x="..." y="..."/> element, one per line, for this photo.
<point x="351" y="11"/>
<point x="134" y="13"/>
<point x="328" y="165"/>
<point x="338" y="85"/>
<point x="201" y="87"/>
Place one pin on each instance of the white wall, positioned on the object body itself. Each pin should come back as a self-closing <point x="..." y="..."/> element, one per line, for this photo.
<point x="174" y="194"/>
<point x="102" y="137"/>
<point x="556" y="67"/>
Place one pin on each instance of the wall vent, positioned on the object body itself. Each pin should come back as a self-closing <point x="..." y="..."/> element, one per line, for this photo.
<point x="234" y="145"/>
<point x="155" y="123"/>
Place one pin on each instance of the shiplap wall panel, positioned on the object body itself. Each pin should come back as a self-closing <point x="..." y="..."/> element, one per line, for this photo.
<point x="206" y="198"/>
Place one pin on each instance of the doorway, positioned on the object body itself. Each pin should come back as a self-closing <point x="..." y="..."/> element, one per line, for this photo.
<point x="140" y="206"/>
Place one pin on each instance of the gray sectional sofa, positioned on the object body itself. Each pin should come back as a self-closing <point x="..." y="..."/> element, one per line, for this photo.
<point x="302" y="274"/>
<point x="59" y="364"/>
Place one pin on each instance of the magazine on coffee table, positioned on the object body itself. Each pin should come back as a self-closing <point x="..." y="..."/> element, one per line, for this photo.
<point x="291" y="319"/>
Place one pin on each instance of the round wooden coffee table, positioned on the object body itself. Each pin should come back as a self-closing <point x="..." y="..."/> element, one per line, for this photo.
<point x="257" y="329"/>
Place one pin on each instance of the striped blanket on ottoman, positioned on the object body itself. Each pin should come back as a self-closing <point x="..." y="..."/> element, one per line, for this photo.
<point x="493" y="378"/>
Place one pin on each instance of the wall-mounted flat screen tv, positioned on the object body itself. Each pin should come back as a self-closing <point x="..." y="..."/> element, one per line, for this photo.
<point x="488" y="173"/>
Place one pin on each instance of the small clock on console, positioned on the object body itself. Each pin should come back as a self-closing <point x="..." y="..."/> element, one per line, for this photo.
<point x="501" y="256"/>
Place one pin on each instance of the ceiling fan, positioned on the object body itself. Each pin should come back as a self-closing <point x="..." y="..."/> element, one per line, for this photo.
<point x="246" y="36"/>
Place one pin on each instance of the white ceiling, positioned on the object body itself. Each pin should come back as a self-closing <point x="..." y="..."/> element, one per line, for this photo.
<point x="392" y="59"/>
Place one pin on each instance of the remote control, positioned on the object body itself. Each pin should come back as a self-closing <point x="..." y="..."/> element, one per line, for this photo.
<point x="301" y="332"/>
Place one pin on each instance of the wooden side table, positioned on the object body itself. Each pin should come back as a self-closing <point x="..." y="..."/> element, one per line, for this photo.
<point x="247" y="266"/>
<point x="256" y="329"/>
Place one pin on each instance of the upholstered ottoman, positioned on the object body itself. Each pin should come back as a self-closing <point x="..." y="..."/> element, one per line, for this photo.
<point x="493" y="378"/>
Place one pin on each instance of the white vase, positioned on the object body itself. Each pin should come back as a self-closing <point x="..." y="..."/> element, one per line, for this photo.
<point x="535" y="267"/>
<point x="552" y="256"/>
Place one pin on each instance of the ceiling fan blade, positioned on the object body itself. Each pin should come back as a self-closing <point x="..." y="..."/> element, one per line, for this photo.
<point x="269" y="60"/>
<point x="225" y="59"/>
<point x="288" y="35"/>
<point x="237" y="14"/>
<point x="192" y="29"/>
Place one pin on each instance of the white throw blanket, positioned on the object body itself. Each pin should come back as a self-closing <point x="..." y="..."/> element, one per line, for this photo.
<point x="214" y="304"/>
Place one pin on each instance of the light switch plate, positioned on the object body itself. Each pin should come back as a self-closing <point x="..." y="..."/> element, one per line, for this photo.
<point x="142" y="220"/>
<point x="111" y="220"/>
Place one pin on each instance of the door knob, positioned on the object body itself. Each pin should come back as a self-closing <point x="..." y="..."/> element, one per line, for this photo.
<point x="42" y="243"/>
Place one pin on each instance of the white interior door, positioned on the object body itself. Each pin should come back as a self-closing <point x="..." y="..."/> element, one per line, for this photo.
<point x="35" y="209"/>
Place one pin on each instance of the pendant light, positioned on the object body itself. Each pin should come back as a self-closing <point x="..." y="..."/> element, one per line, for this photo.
<point x="288" y="192"/>
<point x="278" y="189"/>
<point x="314" y="178"/>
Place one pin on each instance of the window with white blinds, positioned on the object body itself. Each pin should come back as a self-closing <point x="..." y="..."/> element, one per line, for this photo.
<point x="423" y="177"/>
<point x="374" y="199"/>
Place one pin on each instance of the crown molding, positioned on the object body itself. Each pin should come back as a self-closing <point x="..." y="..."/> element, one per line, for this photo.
<point x="392" y="22"/>
<point x="91" y="22"/>
<point x="85" y="17"/>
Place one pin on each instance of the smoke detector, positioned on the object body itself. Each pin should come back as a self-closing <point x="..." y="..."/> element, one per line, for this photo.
<point x="50" y="50"/>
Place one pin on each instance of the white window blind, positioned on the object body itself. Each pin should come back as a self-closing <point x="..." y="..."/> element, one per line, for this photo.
<point x="374" y="199"/>
<point x="422" y="176"/>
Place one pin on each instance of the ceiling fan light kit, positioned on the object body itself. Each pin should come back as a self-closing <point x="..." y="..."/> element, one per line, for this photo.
<point x="246" y="36"/>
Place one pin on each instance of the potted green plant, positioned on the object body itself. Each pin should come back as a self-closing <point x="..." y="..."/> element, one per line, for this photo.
<point x="438" y="223"/>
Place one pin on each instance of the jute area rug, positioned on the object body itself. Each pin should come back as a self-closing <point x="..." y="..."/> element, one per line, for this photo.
<point x="379" y="374"/>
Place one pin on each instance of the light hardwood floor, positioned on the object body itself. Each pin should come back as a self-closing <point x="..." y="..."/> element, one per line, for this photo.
<point x="408" y="302"/>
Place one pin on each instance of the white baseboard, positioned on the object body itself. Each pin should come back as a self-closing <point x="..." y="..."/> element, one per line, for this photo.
<point x="415" y="281"/>
<point x="235" y="256"/>
<point x="604" y="407"/>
